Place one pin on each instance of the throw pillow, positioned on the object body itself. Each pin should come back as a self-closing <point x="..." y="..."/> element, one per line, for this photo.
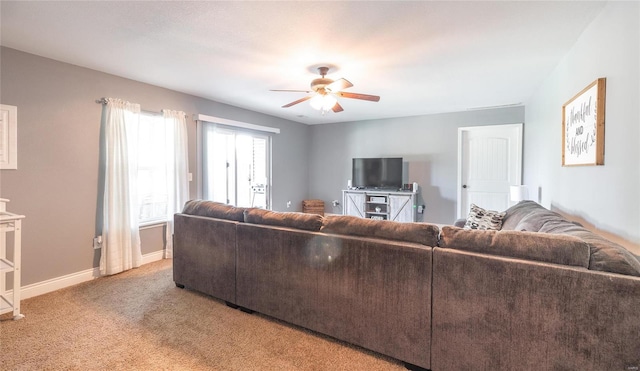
<point x="480" y="218"/>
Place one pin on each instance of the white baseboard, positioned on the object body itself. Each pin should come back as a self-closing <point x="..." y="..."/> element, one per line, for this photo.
<point x="58" y="283"/>
<point x="152" y="257"/>
<point x="40" y="288"/>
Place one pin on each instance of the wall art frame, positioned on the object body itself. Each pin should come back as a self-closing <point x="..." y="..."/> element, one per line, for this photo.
<point x="583" y="118"/>
<point x="8" y="137"/>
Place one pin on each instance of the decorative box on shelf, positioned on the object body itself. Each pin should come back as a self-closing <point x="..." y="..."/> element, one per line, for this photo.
<point x="313" y="207"/>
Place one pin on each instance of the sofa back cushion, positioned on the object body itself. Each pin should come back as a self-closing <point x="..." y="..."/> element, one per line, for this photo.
<point x="557" y="249"/>
<point x="606" y="256"/>
<point x="214" y="210"/>
<point x="422" y="233"/>
<point x="527" y="216"/>
<point x="309" y="222"/>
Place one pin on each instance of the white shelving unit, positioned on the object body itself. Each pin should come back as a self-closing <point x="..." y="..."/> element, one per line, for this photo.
<point x="382" y="205"/>
<point x="10" y="223"/>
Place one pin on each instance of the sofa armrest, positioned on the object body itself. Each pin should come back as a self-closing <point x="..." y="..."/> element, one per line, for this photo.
<point x="204" y="255"/>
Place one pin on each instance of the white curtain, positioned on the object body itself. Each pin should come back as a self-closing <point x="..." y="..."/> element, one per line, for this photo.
<point x="177" y="171"/>
<point x="120" y="232"/>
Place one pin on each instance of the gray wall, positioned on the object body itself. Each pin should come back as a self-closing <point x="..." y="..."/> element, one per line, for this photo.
<point x="56" y="184"/>
<point x="604" y="198"/>
<point x="428" y="144"/>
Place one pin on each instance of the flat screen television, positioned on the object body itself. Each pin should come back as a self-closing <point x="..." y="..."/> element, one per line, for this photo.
<point x="377" y="173"/>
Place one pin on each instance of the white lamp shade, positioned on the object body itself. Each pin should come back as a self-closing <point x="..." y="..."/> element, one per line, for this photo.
<point x="518" y="193"/>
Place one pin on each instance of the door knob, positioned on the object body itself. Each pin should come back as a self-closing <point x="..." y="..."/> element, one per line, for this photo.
<point x="464" y="186"/>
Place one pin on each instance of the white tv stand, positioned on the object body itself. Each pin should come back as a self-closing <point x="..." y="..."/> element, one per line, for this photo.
<point x="399" y="206"/>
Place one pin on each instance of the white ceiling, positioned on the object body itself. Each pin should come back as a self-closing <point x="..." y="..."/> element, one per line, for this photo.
<point x="421" y="57"/>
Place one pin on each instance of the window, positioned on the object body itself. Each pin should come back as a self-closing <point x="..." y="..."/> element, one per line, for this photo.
<point x="235" y="166"/>
<point x="154" y="142"/>
<point x="144" y="163"/>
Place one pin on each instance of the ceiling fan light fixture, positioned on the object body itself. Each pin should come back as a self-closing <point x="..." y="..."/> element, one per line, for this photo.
<point x="327" y="92"/>
<point x="323" y="102"/>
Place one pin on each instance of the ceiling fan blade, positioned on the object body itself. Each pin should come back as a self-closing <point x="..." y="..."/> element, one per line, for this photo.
<point x="372" y="98"/>
<point x="338" y="85"/>
<point x="297" y="101"/>
<point x="337" y="108"/>
<point x="294" y="91"/>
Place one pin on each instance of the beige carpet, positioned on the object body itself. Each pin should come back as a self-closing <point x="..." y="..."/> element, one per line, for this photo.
<point x="139" y="320"/>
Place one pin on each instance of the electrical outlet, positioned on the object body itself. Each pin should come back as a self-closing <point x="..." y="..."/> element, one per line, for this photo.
<point x="97" y="242"/>
<point x="420" y="209"/>
<point x="288" y="204"/>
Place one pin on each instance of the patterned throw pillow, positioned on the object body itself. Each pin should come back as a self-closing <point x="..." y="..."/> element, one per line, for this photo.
<point x="480" y="218"/>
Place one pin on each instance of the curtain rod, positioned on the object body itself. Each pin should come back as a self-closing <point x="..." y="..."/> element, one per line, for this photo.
<point x="104" y="101"/>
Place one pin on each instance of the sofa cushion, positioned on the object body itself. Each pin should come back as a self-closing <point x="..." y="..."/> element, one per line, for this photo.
<point x="606" y="256"/>
<point x="536" y="219"/>
<point x="422" y="233"/>
<point x="214" y="210"/>
<point x="557" y="249"/>
<point x="527" y="216"/>
<point x="309" y="222"/>
<point x="480" y="218"/>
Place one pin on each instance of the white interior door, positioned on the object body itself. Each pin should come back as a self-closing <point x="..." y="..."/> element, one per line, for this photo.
<point x="489" y="161"/>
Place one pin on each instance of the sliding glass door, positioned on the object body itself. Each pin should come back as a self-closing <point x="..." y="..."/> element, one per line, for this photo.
<point x="235" y="166"/>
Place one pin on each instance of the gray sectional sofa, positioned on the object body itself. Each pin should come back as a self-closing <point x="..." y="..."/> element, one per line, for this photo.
<point x="542" y="293"/>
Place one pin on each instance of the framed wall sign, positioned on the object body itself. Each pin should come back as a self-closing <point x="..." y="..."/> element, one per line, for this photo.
<point x="583" y="126"/>
<point x="8" y="137"/>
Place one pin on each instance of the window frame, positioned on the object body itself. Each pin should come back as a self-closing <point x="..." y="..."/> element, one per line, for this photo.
<point x="238" y="128"/>
<point x="157" y="119"/>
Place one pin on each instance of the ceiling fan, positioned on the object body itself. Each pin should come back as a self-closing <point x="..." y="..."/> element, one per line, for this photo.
<point x="326" y="92"/>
